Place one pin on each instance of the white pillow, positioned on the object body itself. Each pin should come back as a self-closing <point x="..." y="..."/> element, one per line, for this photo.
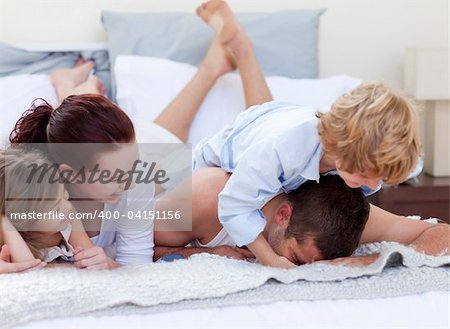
<point x="16" y="95"/>
<point x="146" y="85"/>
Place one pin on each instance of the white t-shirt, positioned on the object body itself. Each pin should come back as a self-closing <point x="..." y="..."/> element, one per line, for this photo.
<point x="130" y="239"/>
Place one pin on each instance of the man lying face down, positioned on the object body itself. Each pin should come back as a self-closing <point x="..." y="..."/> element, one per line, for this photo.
<point x="318" y="221"/>
<point x="314" y="222"/>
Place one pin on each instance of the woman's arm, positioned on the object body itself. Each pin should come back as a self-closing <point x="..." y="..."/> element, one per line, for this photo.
<point x="86" y="254"/>
<point x="78" y="236"/>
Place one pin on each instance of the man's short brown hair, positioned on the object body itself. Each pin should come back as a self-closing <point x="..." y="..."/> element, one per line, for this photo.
<point x="330" y="212"/>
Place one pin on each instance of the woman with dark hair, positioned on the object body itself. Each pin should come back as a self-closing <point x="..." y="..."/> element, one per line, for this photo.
<point x="92" y="119"/>
<point x="83" y="121"/>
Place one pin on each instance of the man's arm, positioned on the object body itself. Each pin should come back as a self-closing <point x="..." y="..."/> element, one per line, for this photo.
<point x="186" y="252"/>
<point x="425" y="237"/>
<point x="434" y="240"/>
<point x="431" y="239"/>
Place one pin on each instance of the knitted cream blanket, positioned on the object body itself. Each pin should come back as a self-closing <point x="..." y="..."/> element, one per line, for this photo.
<point x="208" y="280"/>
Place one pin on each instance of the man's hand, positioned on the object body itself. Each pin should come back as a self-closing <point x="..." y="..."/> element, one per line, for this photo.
<point x="352" y="260"/>
<point x="231" y="252"/>
<point x="93" y="259"/>
<point x="7" y="267"/>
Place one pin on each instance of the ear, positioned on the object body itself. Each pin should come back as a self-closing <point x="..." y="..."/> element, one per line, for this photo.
<point x="283" y="215"/>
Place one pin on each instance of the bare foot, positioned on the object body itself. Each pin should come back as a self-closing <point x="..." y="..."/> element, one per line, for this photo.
<point x="65" y="80"/>
<point x="218" y="60"/>
<point x="218" y="15"/>
<point x="80" y="61"/>
<point x="93" y="85"/>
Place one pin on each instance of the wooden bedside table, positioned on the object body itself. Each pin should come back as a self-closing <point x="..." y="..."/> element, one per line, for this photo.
<point x="426" y="197"/>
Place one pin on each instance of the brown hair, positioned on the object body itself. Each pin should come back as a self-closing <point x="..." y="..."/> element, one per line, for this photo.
<point x="372" y="129"/>
<point x="87" y="118"/>
<point x="330" y="212"/>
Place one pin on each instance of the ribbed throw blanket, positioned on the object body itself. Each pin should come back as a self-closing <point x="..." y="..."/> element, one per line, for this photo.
<point x="207" y="280"/>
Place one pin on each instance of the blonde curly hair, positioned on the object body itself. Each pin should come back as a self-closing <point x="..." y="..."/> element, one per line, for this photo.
<point x="372" y="129"/>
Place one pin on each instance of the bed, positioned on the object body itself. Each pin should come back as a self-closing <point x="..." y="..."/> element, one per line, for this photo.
<point x="428" y="310"/>
<point x="127" y="64"/>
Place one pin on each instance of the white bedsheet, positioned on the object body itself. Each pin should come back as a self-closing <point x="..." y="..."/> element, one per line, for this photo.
<point x="16" y="95"/>
<point x="428" y="310"/>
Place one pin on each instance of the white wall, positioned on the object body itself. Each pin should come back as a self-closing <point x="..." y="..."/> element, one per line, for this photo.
<point x="363" y="38"/>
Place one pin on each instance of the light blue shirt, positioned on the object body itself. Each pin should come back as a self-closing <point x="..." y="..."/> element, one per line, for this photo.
<point x="272" y="148"/>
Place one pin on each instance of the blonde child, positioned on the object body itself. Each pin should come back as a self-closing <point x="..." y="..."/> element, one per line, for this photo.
<point x="368" y="137"/>
<point x="24" y="197"/>
<point x="10" y="237"/>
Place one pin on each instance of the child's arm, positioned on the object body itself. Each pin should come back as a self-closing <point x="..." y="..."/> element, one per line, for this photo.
<point x="266" y="256"/>
<point x="18" y="248"/>
<point x="255" y="180"/>
<point x="6" y="266"/>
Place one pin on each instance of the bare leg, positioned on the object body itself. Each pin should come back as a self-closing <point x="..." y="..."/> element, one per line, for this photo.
<point x="177" y="117"/>
<point x="219" y="16"/>
<point x="66" y="80"/>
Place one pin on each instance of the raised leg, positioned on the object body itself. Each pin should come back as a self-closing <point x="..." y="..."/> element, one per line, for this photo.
<point x="177" y="117"/>
<point x="230" y="33"/>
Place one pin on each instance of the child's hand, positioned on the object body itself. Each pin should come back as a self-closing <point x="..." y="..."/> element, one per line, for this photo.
<point x="281" y="262"/>
<point x="93" y="258"/>
<point x="266" y="256"/>
<point x="7" y="267"/>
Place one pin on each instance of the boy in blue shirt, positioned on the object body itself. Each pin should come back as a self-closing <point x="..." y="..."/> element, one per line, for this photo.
<point x="369" y="136"/>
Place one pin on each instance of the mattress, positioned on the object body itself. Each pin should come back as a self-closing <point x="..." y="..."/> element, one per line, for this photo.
<point x="428" y="310"/>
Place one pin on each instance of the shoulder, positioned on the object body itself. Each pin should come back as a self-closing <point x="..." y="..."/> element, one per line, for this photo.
<point x="271" y="107"/>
